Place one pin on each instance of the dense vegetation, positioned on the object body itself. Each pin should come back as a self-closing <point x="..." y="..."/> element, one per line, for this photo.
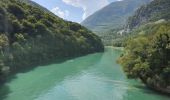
<point x="30" y="36"/>
<point x="112" y="19"/>
<point x="147" y="57"/>
<point x="147" y="52"/>
<point x="114" y="37"/>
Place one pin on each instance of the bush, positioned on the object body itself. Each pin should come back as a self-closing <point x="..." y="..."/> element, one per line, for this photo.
<point x="16" y="10"/>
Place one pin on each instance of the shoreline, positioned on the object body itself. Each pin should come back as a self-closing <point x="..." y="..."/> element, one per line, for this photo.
<point x="117" y="48"/>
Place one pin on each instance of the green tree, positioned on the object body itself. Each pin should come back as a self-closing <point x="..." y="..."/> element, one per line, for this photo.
<point x="16" y="10"/>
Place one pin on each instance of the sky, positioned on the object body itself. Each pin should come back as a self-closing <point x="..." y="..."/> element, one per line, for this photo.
<point x="74" y="10"/>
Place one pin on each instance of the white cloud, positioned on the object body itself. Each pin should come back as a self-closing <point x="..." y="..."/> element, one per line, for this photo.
<point x="89" y="6"/>
<point x="63" y="14"/>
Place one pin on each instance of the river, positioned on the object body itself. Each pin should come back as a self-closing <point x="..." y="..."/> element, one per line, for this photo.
<point x="92" y="77"/>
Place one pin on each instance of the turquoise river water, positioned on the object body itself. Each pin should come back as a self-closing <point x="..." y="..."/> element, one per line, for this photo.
<point x="92" y="77"/>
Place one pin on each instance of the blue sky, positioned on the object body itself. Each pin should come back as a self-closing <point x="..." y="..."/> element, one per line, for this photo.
<point x="74" y="10"/>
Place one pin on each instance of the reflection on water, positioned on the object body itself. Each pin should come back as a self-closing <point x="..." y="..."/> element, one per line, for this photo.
<point x="92" y="77"/>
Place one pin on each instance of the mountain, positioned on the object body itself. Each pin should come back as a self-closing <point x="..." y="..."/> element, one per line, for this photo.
<point x="30" y="36"/>
<point x="113" y="16"/>
<point x="147" y="48"/>
<point x="157" y="10"/>
<point x="32" y="3"/>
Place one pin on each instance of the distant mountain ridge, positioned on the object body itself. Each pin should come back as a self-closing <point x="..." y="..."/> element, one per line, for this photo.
<point x="113" y="16"/>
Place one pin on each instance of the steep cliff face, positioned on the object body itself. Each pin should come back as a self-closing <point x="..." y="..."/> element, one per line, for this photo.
<point x="156" y="10"/>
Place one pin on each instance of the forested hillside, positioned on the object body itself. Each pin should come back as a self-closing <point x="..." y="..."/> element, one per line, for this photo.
<point x="30" y="36"/>
<point x="34" y="4"/>
<point x="147" y="51"/>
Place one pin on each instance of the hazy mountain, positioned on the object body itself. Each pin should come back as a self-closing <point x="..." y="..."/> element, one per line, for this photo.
<point x="113" y="16"/>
